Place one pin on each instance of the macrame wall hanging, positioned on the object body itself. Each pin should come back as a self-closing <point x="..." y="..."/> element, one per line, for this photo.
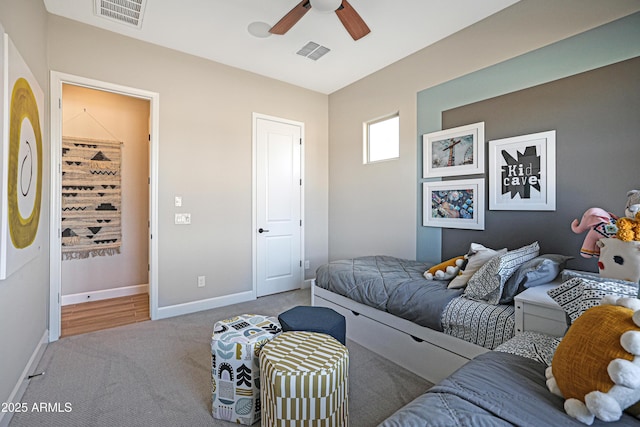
<point x="91" y="197"/>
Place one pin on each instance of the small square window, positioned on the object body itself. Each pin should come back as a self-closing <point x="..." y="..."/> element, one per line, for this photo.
<point x="382" y="139"/>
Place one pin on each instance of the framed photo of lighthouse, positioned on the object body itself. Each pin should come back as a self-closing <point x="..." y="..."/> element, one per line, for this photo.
<point x="455" y="151"/>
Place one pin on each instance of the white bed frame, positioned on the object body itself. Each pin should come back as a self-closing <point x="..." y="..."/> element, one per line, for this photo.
<point x="430" y="354"/>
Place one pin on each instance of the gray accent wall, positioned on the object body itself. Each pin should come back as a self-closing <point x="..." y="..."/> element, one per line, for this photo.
<point x="373" y="207"/>
<point x="595" y="116"/>
<point x="602" y="46"/>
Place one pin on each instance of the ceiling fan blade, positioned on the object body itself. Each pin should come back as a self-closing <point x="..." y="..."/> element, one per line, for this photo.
<point x="352" y="22"/>
<point x="291" y="18"/>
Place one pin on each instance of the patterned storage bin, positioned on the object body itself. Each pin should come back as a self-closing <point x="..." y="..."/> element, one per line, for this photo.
<point x="235" y="370"/>
<point x="305" y="380"/>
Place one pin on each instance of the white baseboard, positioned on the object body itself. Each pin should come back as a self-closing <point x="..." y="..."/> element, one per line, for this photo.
<point x="104" y="294"/>
<point x="206" y="304"/>
<point x="21" y="385"/>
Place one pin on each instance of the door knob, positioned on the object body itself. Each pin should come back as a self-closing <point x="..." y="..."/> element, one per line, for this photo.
<point x="262" y="230"/>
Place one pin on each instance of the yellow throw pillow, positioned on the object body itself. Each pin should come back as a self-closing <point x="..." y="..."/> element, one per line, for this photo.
<point x="445" y="270"/>
<point x="443" y="265"/>
<point x="590" y="344"/>
<point x="594" y="360"/>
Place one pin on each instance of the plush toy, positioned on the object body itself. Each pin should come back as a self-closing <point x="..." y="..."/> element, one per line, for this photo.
<point x="445" y="270"/>
<point x="629" y="228"/>
<point x="596" y="366"/>
<point x="629" y="225"/>
<point x="633" y="204"/>
<point x="600" y="223"/>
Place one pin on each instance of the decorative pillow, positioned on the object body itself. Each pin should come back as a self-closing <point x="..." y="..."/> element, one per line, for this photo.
<point x="596" y="365"/>
<point x="538" y="271"/>
<point x="478" y="255"/>
<point x="487" y="283"/>
<point x="532" y="345"/>
<point x="619" y="259"/>
<point x="577" y="295"/>
<point x="570" y="274"/>
<point x="445" y="270"/>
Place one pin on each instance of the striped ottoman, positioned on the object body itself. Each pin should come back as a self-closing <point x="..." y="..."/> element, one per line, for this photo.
<point x="235" y="374"/>
<point x="304" y="380"/>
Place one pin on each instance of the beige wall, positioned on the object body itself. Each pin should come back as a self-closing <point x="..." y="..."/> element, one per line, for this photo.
<point x="372" y="208"/>
<point x="24" y="296"/>
<point x="93" y="114"/>
<point x="205" y="153"/>
<point x="205" y="148"/>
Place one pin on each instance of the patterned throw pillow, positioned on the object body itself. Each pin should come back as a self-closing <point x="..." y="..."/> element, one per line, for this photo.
<point x="577" y="295"/>
<point x="569" y="296"/>
<point x="533" y="345"/>
<point x="535" y="272"/>
<point x="487" y="283"/>
<point x="570" y="274"/>
<point x="478" y="255"/>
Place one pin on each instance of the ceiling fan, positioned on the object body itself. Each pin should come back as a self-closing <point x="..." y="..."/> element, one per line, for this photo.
<point x="352" y="22"/>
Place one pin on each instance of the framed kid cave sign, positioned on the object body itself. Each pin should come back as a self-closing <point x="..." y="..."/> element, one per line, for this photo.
<point x="522" y="173"/>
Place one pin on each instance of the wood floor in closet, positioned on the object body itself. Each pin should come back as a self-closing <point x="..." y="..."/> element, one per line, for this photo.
<point x="104" y="314"/>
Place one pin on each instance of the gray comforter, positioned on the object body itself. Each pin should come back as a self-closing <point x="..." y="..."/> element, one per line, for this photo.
<point x="494" y="389"/>
<point x="390" y="284"/>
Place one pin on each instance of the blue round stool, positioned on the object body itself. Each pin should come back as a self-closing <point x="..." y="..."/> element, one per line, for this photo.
<point x="314" y="319"/>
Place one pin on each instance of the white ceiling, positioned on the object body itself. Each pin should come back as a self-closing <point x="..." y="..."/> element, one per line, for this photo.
<point x="217" y="30"/>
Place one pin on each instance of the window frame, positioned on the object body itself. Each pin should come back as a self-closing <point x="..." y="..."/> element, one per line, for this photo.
<point x="367" y="137"/>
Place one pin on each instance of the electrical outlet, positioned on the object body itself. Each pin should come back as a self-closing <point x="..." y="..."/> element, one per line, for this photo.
<point x="178" y="201"/>
<point x="201" y="282"/>
<point x="306" y="265"/>
<point x="183" y="218"/>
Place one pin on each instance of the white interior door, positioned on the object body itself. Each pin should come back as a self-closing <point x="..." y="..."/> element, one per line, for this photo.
<point x="278" y="212"/>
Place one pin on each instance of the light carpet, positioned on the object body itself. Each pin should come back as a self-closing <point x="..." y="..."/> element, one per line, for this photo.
<point x="158" y="373"/>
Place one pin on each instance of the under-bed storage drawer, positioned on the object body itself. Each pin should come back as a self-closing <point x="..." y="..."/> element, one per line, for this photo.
<point x="414" y="354"/>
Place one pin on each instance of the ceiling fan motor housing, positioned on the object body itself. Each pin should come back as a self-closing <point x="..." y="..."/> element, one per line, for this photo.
<point x="351" y="20"/>
<point x="325" y="5"/>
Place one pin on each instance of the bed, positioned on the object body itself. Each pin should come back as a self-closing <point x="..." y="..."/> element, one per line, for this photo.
<point x="393" y="310"/>
<point x="494" y="389"/>
<point x="399" y="287"/>
<point x="504" y="387"/>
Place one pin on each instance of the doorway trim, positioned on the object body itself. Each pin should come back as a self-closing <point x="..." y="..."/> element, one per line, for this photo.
<point x="55" y="259"/>
<point x="254" y="193"/>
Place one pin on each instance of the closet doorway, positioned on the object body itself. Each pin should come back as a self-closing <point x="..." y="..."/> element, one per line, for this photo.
<point x="104" y="209"/>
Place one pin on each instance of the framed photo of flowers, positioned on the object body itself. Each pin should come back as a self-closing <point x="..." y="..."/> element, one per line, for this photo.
<point x="522" y="172"/>
<point x="456" y="151"/>
<point x="454" y="204"/>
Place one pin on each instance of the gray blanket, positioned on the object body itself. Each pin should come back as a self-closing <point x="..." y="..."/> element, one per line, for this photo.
<point x="389" y="284"/>
<point x="494" y="389"/>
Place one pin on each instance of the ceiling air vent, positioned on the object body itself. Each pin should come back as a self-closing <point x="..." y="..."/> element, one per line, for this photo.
<point x="127" y="12"/>
<point x="313" y="51"/>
